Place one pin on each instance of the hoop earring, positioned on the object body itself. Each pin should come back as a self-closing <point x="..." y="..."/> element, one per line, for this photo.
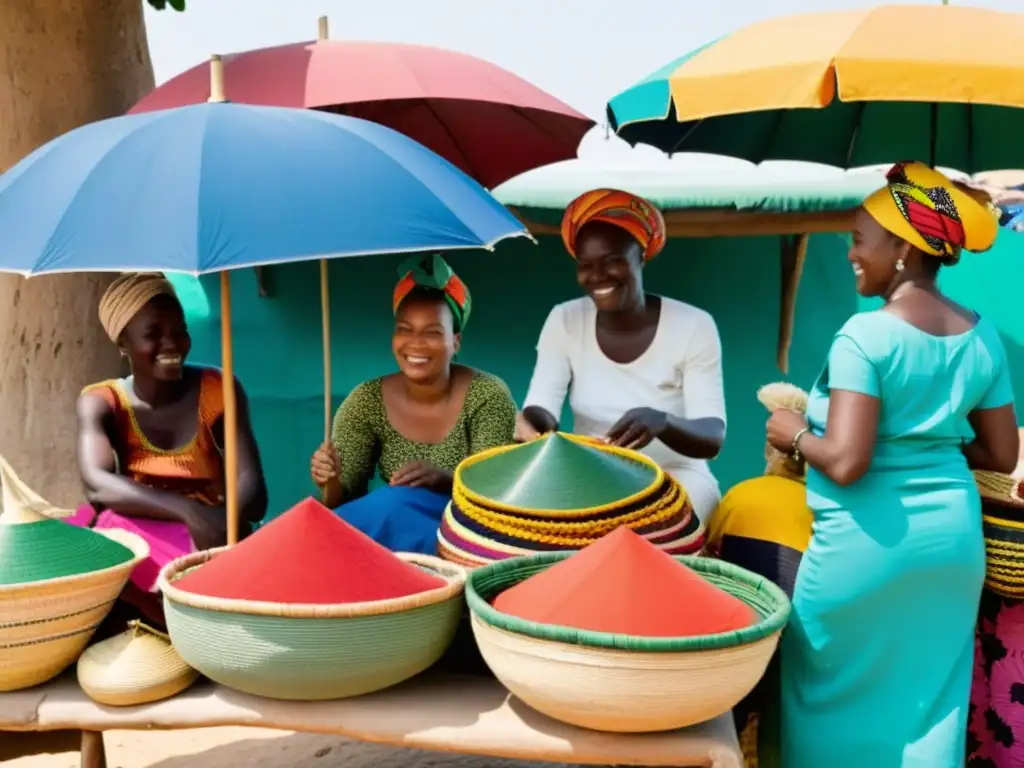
<point x="899" y="264"/>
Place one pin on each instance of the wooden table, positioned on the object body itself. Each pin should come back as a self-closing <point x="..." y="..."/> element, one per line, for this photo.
<point x="439" y="712"/>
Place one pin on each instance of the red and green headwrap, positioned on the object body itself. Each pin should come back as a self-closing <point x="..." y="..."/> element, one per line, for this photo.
<point x="434" y="272"/>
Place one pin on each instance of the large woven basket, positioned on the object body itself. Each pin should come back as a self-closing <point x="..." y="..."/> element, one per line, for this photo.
<point x="45" y="625"/>
<point x="1003" y="524"/>
<point x="311" y="652"/>
<point x="620" y="683"/>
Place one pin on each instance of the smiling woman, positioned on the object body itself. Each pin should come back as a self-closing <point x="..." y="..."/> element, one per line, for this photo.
<point x="642" y="371"/>
<point x="150" y="446"/>
<point x="413" y="427"/>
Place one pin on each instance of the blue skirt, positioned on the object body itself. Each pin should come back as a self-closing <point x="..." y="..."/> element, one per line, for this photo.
<point x="400" y="518"/>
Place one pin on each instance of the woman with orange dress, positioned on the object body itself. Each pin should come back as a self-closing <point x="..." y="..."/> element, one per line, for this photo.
<point x="150" y="446"/>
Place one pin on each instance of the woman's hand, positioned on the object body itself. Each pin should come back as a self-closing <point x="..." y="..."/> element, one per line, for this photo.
<point x="637" y="428"/>
<point x="207" y="526"/>
<point x="325" y="465"/>
<point x="783" y="426"/>
<point x="525" y="431"/>
<point x="423" y="474"/>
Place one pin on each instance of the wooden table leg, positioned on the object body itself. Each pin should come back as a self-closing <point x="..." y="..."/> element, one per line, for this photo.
<point x="94" y="754"/>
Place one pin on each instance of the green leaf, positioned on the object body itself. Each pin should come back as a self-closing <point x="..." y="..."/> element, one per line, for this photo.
<point x="161" y="5"/>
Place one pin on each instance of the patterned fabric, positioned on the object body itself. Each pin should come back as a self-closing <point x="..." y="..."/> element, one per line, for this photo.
<point x="195" y="470"/>
<point x="995" y="736"/>
<point x="366" y="441"/>
<point x="434" y="272"/>
<point x="621" y="209"/>
<point x="126" y="296"/>
<point x="932" y="213"/>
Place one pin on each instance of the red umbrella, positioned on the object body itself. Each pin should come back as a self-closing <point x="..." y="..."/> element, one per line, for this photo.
<point x="490" y="123"/>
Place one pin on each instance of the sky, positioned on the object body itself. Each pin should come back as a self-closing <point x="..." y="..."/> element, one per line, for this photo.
<point x="582" y="51"/>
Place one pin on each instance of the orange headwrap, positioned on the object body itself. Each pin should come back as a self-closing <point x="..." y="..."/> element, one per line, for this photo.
<point x="621" y="209"/>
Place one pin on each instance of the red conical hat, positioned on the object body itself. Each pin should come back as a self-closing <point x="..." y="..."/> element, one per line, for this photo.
<point x="623" y="584"/>
<point x="308" y="555"/>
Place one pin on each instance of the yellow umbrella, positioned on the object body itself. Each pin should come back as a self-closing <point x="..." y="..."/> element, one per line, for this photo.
<point x="929" y="82"/>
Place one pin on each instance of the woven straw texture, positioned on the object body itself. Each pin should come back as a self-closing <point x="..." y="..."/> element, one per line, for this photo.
<point x="1003" y="525"/>
<point x="313" y="652"/>
<point x="45" y="625"/>
<point x="36" y="546"/>
<point x="567" y="476"/>
<point x="781" y="394"/>
<point x="138" y="666"/>
<point x="621" y="683"/>
<point x="555" y="478"/>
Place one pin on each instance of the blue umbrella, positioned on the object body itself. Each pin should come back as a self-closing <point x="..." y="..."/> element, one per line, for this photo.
<point x="211" y="187"/>
<point x="215" y="187"/>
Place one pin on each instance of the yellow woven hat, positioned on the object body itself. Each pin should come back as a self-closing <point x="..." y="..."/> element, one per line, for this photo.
<point x="138" y="666"/>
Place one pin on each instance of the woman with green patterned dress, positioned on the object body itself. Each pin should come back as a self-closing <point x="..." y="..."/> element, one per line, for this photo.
<point x="413" y="427"/>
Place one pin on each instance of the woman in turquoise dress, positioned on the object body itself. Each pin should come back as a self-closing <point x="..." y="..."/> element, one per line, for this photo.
<point x="876" y="662"/>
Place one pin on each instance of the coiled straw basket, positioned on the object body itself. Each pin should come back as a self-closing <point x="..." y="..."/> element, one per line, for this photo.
<point x="1003" y="524"/>
<point x="309" y="651"/>
<point x="621" y="683"/>
<point x="45" y="625"/>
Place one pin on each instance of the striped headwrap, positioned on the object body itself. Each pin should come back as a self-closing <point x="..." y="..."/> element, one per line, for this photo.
<point x="621" y="209"/>
<point x="128" y="294"/>
<point x="434" y="272"/>
<point x="932" y="213"/>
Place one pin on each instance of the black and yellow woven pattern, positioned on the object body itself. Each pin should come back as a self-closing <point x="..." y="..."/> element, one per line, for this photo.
<point x="561" y="492"/>
<point x="1003" y="525"/>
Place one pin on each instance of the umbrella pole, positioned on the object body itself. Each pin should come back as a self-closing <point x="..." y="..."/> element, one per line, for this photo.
<point x="325" y="302"/>
<point x="230" y="410"/>
<point x="325" y="329"/>
<point x="227" y="356"/>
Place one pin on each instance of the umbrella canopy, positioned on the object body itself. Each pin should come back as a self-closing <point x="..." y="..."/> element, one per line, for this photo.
<point x="213" y="187"/>
<point x="490" y="123"/>
<point x="941" y="84"/>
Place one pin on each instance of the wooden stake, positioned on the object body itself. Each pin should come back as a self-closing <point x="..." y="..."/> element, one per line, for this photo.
<point x="794" y="253"/>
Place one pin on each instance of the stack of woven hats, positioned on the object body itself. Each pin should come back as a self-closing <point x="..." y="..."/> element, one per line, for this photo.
<point x="561" y="492"/>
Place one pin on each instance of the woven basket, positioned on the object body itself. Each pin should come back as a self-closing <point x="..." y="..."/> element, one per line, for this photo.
<point x="1003" y="524"/>
<point x="311" y="652"/>
<point x="561" y="492"/>
<point x="45" y="625"/>
<point x="620" y="683"/>
<point x="138" y="666"/>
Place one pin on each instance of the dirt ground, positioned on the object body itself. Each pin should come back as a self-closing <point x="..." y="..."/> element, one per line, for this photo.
<point x="234" y="747"/>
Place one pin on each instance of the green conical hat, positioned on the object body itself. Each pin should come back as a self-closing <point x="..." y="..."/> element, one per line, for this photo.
<point x="556" y="473"/>
<point x="35" y="546"/>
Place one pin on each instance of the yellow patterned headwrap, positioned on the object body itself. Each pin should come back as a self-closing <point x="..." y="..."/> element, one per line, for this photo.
<point x="127" y="295"/>
<point x="933" y="213"/>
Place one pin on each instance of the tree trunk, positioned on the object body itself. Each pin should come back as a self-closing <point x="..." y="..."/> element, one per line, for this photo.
<point x="65" y="63"/>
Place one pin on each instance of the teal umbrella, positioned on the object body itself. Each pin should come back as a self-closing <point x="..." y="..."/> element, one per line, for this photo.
<point x="941" y="84"/>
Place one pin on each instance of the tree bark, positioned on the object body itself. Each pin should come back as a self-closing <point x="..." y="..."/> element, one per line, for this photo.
<point x="65" y="63"/>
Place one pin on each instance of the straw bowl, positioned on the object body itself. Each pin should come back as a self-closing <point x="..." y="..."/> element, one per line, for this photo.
<point x="308" y="652"/>
<point x="621" y="683"/>
<point x="45" y="625"/>
<point x="1002" y="516"/>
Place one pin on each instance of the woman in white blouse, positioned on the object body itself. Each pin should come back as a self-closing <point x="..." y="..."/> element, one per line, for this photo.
<point x="642" y="371"/>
